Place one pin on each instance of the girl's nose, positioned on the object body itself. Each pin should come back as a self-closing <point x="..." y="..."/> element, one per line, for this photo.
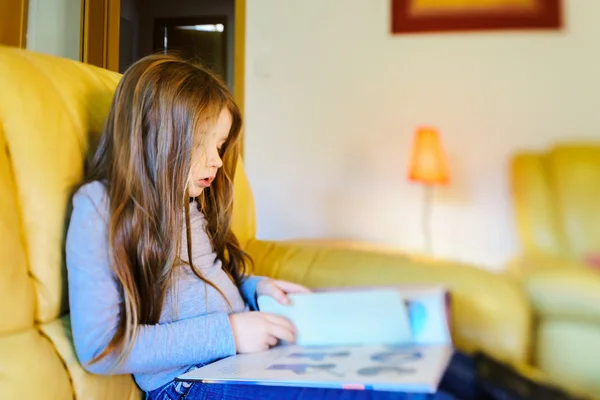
<point x="216" y="161"/>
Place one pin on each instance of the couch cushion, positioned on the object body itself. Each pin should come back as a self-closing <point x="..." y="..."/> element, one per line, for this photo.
<point x="569" y="353"/>
<point x="15" y="285"/>
<point x="31" y="369"/>
<point x="575" y="175"/>
<point x="85" y="385"/>
<point x="49" y="109"/>
<point x="537" y="218"/>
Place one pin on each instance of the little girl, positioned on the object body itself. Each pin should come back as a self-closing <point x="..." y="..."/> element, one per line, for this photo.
<point x="157" y="279"/>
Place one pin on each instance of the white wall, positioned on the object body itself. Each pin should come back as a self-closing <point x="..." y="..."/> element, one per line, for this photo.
<point x="333" y="100"/>
<point x="54" y="27"/>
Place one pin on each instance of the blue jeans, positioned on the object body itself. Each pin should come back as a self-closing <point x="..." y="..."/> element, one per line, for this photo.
<point x="178" y="390"/>
<point x="197" y="391"/>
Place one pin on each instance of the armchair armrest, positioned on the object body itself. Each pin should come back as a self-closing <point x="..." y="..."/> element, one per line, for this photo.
<point x="526" y="264"/>
<point x="489" y="312"/>
<point x="561" y="288"/>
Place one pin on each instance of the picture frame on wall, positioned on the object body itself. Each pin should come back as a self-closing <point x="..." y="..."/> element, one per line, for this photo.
<point x="422" y="16"/>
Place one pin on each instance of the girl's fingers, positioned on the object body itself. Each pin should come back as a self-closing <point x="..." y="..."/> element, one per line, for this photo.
<point x="274" y="319"/>
<point x="272" y="340"/>
<point x="282" y="333"/>
<point x="278" y="294"/>
<point x="291" y="287"/>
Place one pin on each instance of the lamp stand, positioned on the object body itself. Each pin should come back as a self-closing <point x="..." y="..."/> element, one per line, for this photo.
<point x="426" y="217"/>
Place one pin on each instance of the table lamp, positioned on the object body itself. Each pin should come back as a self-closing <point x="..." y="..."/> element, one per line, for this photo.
<point x="428" y="166"/>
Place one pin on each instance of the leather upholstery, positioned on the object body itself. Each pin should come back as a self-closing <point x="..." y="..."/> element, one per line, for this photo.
<point x="51" y="113"/>
<point x="557" y="200"/>
<point x="488" y="311"/>
<point x="557" y="206"/>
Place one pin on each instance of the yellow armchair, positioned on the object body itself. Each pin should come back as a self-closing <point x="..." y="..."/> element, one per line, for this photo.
<point x="51" y="112"/>
<point x="557" y="205"/>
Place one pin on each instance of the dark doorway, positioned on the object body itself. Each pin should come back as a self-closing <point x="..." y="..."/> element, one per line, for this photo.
<point x="202" y="39"/>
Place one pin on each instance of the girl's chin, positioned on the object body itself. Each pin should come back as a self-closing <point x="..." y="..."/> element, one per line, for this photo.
<point x="195" y="191"/>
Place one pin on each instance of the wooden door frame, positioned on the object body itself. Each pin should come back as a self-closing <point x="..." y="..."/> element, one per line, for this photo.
<point x="100" y="41"/>
<point x="100" y="22"/>
<point x="13" y="22"/>
<point x="239" y="57"/>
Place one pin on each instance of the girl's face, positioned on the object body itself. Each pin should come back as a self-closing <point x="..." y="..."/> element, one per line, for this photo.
<point x="206" y="159"/>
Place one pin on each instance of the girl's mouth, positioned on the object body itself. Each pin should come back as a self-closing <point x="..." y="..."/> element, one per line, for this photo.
<point x="205" y="182"/>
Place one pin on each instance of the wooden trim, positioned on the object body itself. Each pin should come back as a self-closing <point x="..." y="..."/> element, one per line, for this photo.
<point x="83" y="42"/>
<point x="105" y="31"/>
<point x="93" y="37"/>
<point x="24" y="20"/>
<point x="113" y="24"/>
<point x="239" y="58"/>
<point x="101" y="22"/>
<point x="82" y="30"/>
<point x="13" y="22"/>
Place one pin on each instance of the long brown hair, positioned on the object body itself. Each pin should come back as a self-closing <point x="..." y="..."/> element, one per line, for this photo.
<point x="144" y="160"/>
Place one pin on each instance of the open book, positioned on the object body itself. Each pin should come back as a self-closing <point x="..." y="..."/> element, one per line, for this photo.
<point x="392" y="339"/>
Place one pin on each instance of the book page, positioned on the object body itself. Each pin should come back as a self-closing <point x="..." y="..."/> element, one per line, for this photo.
<point x="345" y="317"/>
<point x="370" y="367"/>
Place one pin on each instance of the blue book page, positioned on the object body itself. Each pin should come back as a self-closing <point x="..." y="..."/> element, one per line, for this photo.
<point x="346" y="317"/>
<point x="428" y="310"/>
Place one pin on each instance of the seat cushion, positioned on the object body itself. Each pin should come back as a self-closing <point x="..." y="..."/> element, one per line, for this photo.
<point x="85" y="385"/>
<point x="31" y="369"/>
<point x="569" y="352"/>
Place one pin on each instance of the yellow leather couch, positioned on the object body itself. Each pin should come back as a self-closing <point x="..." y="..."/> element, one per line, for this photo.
<point x="51" y="113"/>
<point x="557" y="206"/>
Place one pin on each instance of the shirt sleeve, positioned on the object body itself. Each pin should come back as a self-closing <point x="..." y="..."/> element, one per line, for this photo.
<point x="248" y="290"/>
<point x="95" y="299"/>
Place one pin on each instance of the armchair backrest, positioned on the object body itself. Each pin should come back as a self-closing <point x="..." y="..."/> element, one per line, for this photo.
<point x="556" y="197"/>
<point x="52" y="111"/>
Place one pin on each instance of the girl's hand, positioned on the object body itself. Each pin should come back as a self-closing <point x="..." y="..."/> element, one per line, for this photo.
<point x="257" y="331"/>
<point x="279" y="289"/>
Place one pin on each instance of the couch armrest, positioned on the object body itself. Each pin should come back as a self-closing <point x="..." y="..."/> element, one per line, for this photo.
<point x="490" y="312"/>
<point x="526" y="264"/>
<point x="562" y="289"/>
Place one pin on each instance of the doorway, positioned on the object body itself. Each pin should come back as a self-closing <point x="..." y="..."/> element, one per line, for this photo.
<point x="201" y="39"/>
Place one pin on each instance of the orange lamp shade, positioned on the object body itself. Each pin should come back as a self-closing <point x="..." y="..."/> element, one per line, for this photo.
<point x="428" y="163"/>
